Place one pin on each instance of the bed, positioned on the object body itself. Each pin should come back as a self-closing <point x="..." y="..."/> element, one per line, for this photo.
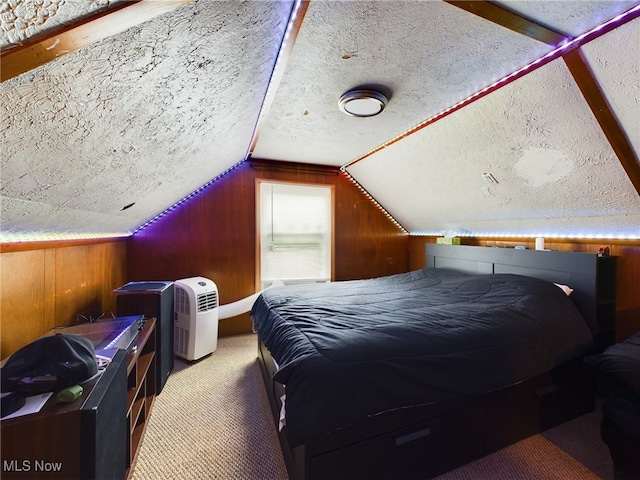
<point x="411" y="375"/>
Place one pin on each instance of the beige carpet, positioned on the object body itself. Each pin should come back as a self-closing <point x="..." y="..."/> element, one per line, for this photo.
<point x="533" y="458"/>
<point x="213" y="421"/>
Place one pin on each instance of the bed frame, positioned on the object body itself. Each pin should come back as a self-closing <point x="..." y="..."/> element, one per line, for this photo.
<point x="427" y="440"/>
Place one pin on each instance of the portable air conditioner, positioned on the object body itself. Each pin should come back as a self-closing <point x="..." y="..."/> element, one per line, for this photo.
<point x="196" y="317"/>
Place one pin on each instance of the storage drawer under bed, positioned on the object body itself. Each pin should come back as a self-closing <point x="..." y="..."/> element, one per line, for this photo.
<point x="441" y="443"/>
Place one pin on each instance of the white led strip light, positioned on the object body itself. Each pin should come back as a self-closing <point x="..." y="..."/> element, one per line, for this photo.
<point x="494" y="234"/>
<point x="373" y="200"/>
<point x="17" y="237"/>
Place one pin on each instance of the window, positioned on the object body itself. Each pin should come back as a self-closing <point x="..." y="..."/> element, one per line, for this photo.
<point x="295" y="232"/>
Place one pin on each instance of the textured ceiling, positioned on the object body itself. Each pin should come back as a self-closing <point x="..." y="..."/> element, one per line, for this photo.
<point x="150" y="114"/>
<point x="556" y="172"/>
<point x="412" y="60"/>
<point x="144" y="117"/>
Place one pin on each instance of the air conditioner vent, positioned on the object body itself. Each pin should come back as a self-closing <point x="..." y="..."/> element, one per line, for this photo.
<point x="181" y="341"/>
<point x="181" y="300"/>
<point x="207" y="301"/>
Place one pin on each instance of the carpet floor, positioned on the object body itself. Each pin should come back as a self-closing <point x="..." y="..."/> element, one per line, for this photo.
<point x="213" y="421"/>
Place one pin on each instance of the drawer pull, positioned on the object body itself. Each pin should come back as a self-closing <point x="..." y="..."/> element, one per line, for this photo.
<point x="541" y="392"/>
<point x="410" y="437"/>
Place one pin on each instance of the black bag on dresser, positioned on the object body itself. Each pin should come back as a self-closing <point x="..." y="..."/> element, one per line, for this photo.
<point x="49" y="364"/>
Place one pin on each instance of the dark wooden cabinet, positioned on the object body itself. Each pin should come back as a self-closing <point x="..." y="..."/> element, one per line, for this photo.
<point x="95" y="437"/>
<point x="82" y="439"/>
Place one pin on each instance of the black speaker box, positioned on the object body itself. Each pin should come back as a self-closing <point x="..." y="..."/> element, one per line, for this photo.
<point x="153" y="300"/>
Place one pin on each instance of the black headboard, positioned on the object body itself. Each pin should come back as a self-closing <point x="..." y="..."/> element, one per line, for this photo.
<point x="577" y="270"/>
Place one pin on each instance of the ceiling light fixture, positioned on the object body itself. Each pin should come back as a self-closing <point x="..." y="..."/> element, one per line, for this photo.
<point x="362" y="103"/>
<point x="595" y="32"/>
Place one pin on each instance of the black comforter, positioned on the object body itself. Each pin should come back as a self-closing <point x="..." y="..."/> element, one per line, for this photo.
<point x="351" y="349"/>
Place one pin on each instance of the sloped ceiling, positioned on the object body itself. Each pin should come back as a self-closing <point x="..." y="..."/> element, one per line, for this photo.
<point x="110" y="133"/>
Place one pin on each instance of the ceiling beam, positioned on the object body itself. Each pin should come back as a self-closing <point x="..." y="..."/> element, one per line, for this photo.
<point x="508" y="19"/>
<point x="43" y="49"/>
<point x="294" y="24"/>
<point x="607" y="120"/>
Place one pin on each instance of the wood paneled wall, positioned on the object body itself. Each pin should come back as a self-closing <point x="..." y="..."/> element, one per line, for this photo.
<point x="43" y="287"/>
<point x="628" y="278"/>
<point x="213" y="235"/>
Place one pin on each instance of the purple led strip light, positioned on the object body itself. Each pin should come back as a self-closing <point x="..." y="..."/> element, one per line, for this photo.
<point x="290" y="23"/>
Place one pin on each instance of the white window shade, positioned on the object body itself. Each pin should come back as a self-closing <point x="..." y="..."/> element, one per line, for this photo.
<point x="295" y="233"/>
